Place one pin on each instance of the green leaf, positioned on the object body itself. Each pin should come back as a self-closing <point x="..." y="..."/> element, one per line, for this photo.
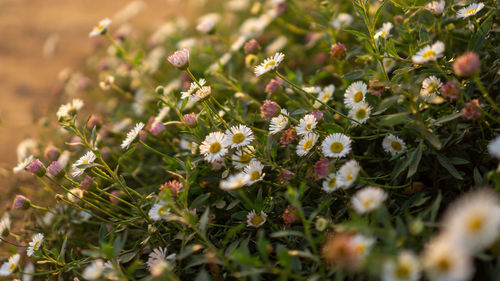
<point x="204" y="220"/>
<point x="356" y="33"/>
<point x="445" y="119"/>
<point x="479" y="38"/>
<point x="393" y="119"/>
<point x="286" y="233"/>
<point x="428" y="136"/>
<point x="199" y="200"/>
<point x="445" y="162"/>
<point x="385" y="104"/>
<point x="415" y="160"/>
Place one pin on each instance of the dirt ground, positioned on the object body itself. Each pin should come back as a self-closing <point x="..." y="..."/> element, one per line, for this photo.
<point x="27" y="77"/>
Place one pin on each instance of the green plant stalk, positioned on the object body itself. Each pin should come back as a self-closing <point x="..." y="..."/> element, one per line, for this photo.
<point x="485" y="93"/>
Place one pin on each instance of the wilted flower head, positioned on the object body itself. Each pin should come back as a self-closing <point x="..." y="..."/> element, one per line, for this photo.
<point x="101" y="28"/>
<point x="290" y="215"/>
<point x="180" y="59"/>
<point x="321" y="168"/>
<point x="467" y="64"/>
<point x="346" y="250"/>
<point x="268" y="109"/>
<point x="174" y="186"/>
<point x="451" y="90"/>
<point x="288" y="136"/>
<point x="337" y="50"/>
<point x="472" y="110"/>
<point x="285" y="175"/>
<point x="377" y="87"/>
<point x="5" y="225"/>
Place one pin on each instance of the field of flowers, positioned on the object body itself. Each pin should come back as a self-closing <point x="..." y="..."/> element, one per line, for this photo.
<point x="274" y="140"/>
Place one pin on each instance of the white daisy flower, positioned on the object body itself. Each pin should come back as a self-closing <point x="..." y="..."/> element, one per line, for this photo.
<point x="361" y="245"/>
<point x="101" y="27"/>
<point x="384" y="31"/>
<point x="94" y="270"/>
<point x="254" y="171"/>
<point x="239" y="136"/>
<point x="368" y="199"/>
<point x="306" y="125"/>
<point x="429" y="53"/>
<point x="10" y="266"/>
<point x="159" y="255"/>
<point x="132" y="135"/>
<point x="494" y="147"/>
<point x="269" y="64"/>
<point x="235" y="181"/>
<point x="430" y="88"/>
<point x="306" y="144"/>
<point x="21" y="166"/>
<point x="5" y="225"/>
<point x="278" y="123"/>
<point x="330" y="183"/>
<point x="325" y="95"/>
<point x="69" y="110"/>
<point x="405" y="268"/>
<point x="201" y="93"/>
<point x="443" y="260"/>
<point x="34" y="245"/>
<point x="393" y="144"/>
<point x="470" y="10"/>
<point x="389" y="64"/>
<point x="342" y="20"/>
<point x="360" y="112"/>
<point x="336" y="145"/>
<point x="213" y="148"/>
<point x="159" y="211"/>
<point x="256" y="220"/>
<point x="191" y="92"/>
<point x="348" y="173"/>
<point x="474" y="220"/>
<point x="242" y="157"/>
<point x="86" y="159"/>
<point x="436" y="7"/>
<point x="355" y="94"/>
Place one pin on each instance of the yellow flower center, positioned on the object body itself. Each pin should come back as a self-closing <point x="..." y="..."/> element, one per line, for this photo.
<point x="12" y="266"/>
<point x="271" y="63"/>
<point x="470" y="11"/>
<point x="433" y="87"/>
<point x="332" y="183"/>
<point x="86" y="162"/>
<point x="367" y="203"/>
<point x="402" y="271"/>
<point x="429" y="53"/>
<point x="245" y="157"/>
<point x="238" y="137"/>
<point x="308" y="145"/>
<point x="359" y="249"/>
<point x="257" y="220"/>
<point x="214" y="147"/>
<point x="475" y="224"/>
<point x="308" y="127"/>
<point x="349" y="176"/>
<point x="383" y="34"/>
<point x="255" y="175"/>
<point x="163" y="211"/>
<point x="101" y="27"/>
<point x="37" y="244"/>
<point x="358" y="96"/>
<point x="238" y="182"/>
<point x="361" y="114"/>
<point x="326" y="97"/>
<point x="336" y="147"/>
<point x="444" y="264"/>
<point x="396" y="146"/>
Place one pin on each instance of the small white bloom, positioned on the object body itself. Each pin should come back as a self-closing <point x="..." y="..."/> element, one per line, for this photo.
<point x="393" y="144"/>
<point x="429" y="53"/>
<point x="207" y="22"/>
<point x="132" y="135"/>
<point x="325" y="95"/>
<point x="368" y="199"/>
<point x="256" y="220"/>
<point x="242" y="157"/>
<point x="389" y="63"/>
<point x="21" y="166"/>
<point x="430" y="88"/>
<point x="342" y="20"/>
<point x="269" y="64"/>
<point x="278" y="123"/>
<point x="494" y="147"/>
<point x="101" y="27"/>
<point x="10" y="266"/>
<point x="235" y="181"/>
<point x="348" y="173"/>
<point x="306" y="125"/>
<point x="360" y="112"/>
<point x="330" y="184"/>
<point x="193" y="89"/>
<point x="470" y="10"/>
<point x="86" y="159"/>
<point x="69" y="110"/>
<point x="34" y="245"/>
<point x="239" y="136"/>
<point x="336" y="145"/>
<point x="384" y="31"/>
<point x="355" y="94"/>
<point x="159" y="211"/>
<point x="94" y="270"/>
<point x="436" y="7"/>
<point x="306" y="144"/>
<point x="159" y="255"/>
<point x="254" y="171"/>
<point x="180" y="58"/>
<point x="361" y="245"/>
<point x="5" y="225"/>
<point x="213" y="148"/>
<point x="405" y="268"/>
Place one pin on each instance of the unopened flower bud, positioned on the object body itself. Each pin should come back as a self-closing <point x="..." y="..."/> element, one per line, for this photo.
<point x="189" y="119"/>
<point x="51" y="153"/>
<point x="94" y="121"/>
<point x="174" y="186"/>
<point x="180" y="59"/>
<point x="272" y="86"/>
<point x="36" y="167"/>
<point x="318" y="114"/>
<point x="291" y="215"/>
<point x="451" y="90"/>
<point x="472" y="110"/>
<point x="21" y="203"/>
<point x="377" y="88"/>
<point x="337" y="51"/>
<point x="160" y="90"/>
<point x="467" y="64"/>
<point x="56" y="170"/>
<point x="251" y="46"/>
<point x="268" y="109"/>
<point x="321" y="224"/>
<point x="156" y="128"/>
<point x="321" y="168"/>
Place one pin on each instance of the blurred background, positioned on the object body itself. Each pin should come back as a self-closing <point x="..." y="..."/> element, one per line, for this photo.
<point x="41" y="38"/>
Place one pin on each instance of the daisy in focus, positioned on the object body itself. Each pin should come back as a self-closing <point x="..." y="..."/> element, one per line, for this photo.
<point x="384" y="31"/>
<point x="213" y="148"/>
<point x="360" y="113"/>
<point x="254" y="171"/>
<point x="69" y="110"/>
<point x="355" y="94"/>
<point x="368" y="199"/>
<point x="132" y="135"/>
<point x="278" y="123"/>
<point x="429" y="53"/>
<point x="336" y="145"/>
<point x="306" y="125"/>
<point x="191" y="92"/>
<point x="34" y="245"/>
<point x="239" y="136"/>
<point x="393" y="145"/>
<point x="101" y="28"/>
<point x="256" y="220"/>
<point x="330" y="184"/>
<point x="10" y="266"/>
<point x="430" y="88"/>
<point x="405" y="268"/>
<point x="159" y="211"/>
<point x="348" y="173"/>
<point x="269" y="64"/>
<point x="235" y="181"/>
<point x="87" y="159"/>
<point x="470" y="10"/>
<point x="306" y="144"/>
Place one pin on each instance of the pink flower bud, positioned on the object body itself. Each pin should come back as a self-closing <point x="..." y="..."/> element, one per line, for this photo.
<point x="143" y="135"/>
<point x="157" y="128"/>
<point x="337" y="51"/>
<point x="180" y="59"/>
<point x="451" y="90"/>
<point x="189" y="119"/>
<point x="318" y="114"/>
<point x="472" y="110"/>
<point x="285" y="176"/>
<point x="51" y="153"/>
<point x="290" y="215"/>
<point x="272" y="86"/>
<point x="55" y="170"/>
<point x="21" y="203"/>
<point x="268" y="109"/>
<point x="288" y="136"/>
<point x="113" y="196"/>
<point x="36" y="167"/>
<point x="94" y="121"/>
<point x="321" y="168"/>
<point x="251" y="46"/>
<point x="175" y="186"/>
<point x="467" y="64"/>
